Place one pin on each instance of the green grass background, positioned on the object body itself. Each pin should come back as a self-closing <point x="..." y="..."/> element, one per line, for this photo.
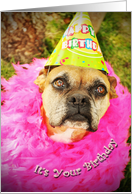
<point x="114" y="38"/>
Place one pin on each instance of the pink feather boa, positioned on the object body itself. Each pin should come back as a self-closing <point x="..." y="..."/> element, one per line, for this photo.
<point x="25" y="143"/>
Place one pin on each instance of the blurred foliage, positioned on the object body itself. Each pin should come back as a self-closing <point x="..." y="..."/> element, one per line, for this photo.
<point x="7" y="69"/>
<point x="125" y="185"/>
<point x="114" y="39"/>
<point x="54" y="31"/>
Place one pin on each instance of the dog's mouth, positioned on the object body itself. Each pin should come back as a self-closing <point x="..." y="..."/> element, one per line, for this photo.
<point x="77" y="121"/>
<point x="77" y="117"/>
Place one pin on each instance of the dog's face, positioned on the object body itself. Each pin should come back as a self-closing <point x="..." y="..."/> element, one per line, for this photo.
<point x="74" y="100"/>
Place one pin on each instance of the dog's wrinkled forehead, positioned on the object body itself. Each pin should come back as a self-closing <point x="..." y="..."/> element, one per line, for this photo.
<point x="76" y="75"/>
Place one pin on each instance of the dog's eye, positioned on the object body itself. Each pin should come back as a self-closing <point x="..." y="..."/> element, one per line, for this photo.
<point x="59" y="83"/>
<point x="101" y="89"/>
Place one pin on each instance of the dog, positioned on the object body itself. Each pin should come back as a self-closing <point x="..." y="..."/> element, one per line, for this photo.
<point x="74" y="100"/>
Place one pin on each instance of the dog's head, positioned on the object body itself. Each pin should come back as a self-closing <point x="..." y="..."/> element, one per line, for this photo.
<point x="74" y="100"/>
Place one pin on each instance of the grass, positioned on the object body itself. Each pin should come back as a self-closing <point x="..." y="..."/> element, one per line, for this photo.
<point x="7" y="69"/>
<point x="54" y="31"/>
<point x="115" y="42"/>
<point x="114" y="38"/>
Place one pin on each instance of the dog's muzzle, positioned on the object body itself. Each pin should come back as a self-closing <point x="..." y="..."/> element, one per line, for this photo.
<point x="78" y="100"/>
<point x="79" y="104"/>
<point x="79" y="108"/>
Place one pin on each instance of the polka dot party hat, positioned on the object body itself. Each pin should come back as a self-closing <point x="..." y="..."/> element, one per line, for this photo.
<point x="78" y="46"/>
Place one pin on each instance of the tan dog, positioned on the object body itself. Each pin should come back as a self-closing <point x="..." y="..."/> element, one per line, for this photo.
<point x="74" y="100"/>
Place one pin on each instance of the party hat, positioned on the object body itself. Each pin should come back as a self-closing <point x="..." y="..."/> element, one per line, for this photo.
<point x="78" y="46"/>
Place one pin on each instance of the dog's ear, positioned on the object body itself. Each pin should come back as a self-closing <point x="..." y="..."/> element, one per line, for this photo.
<point x="113" y="84"/>
<point x="41" y="79"/>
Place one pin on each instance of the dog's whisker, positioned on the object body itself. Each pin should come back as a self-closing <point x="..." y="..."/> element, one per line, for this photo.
<point x="60" y="111"/>
<point x="60" y="108"/>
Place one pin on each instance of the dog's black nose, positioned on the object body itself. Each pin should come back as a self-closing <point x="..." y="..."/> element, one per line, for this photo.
<point x="78" y="99"/>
